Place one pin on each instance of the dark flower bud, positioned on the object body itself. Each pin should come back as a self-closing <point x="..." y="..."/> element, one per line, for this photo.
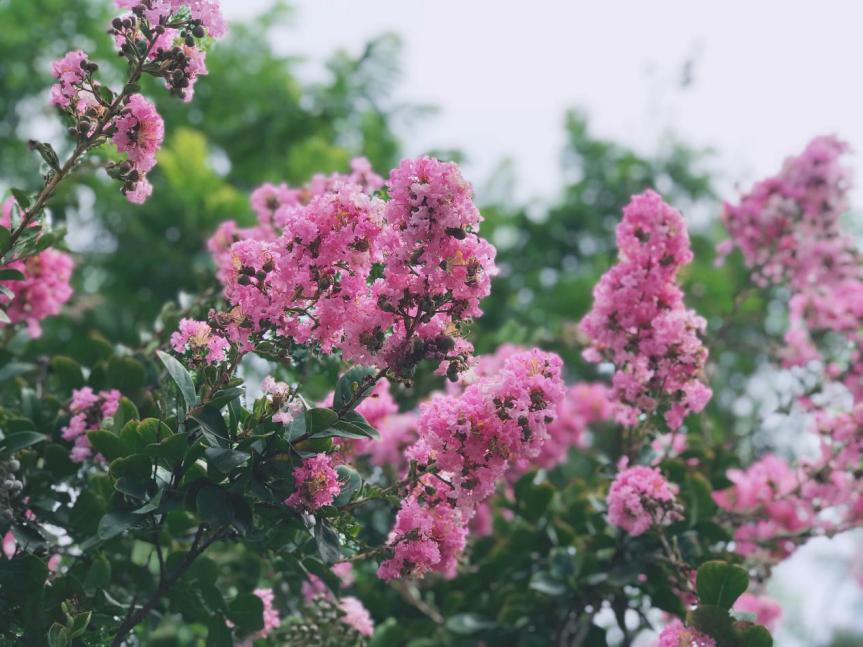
<point x="452" y="372"/>
<point x="117" y="23"/>
<point x="242" y="279"/>
<point x="199" y="32"/>
<point x="190" y="42"/>
<point x="385" y="305"/>
<point x="456" y="232"/>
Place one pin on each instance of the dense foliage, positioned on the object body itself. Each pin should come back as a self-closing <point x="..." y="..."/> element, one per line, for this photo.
<point x="320" y="438"/>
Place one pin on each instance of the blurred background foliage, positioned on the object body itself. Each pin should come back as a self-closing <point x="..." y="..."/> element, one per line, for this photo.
<point x="254" y="120"/>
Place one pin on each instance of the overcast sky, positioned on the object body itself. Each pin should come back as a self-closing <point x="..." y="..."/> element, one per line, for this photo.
<point x="766" y="76"/>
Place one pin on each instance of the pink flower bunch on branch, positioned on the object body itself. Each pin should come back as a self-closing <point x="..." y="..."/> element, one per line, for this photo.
<point x="639" y="322"/>
<point x="89" y="409"/>
<point x="778" y="507"/>
<point x="640" y="498"/>
<point x="583" y="404"/>
<point x="199" y="342"/>
<point x="788" y="229"/>
<point x="468" y="442"/>
<point x="163" y="38"/>
<point x="304" y="275"/>
<point x="42" y="287"/>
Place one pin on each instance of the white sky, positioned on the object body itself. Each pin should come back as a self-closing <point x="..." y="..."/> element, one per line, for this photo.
<point x="768" y="75"/>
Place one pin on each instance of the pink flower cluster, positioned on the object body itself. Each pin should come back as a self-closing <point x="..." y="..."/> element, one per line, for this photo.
<point x="780" y="506"/>
<point x="788" y="229"/>
<point x="767" y="492"/>
<point x="282" y="399"/>
<point x="136" y="130"/>
<point x="675" y="634"/>
<point x="356" y="615"/>
<point x="159" y="12"/>
<point x="70" y="72"/>
<point x="44" y="289"/>
<point x="640" y="498"/>
<point x="199" y="342"/>
<point x="767" y="611"/>
<point x="139" y="133"/>
<point x="168" y="35"/>
<point x="315" y="586"/>
<point x="305" y="272"/>
<point x="469" y="440"/>
<point x="89" y="410"/>
<point x="316" y="482"/>
<point x="583" y="404"/>
<point x="639" y="322"/>
<point x="429" y="534"/>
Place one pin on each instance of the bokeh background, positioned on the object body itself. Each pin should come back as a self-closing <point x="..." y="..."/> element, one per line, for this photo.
<point x="558" y="111"/>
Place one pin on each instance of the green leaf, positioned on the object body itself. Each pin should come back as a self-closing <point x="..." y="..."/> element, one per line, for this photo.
<point x="105" y="93"/>
<point x="351" y="482"/>
<point x="213" y="505"/>
<point x="319" y="420"/>
<point x="212" y="425"/>
<point x="532" y="499"/>
<point x="170" y="449"/>
<point x="720" y="584"/>
<point x="126" y="374"/>
<point x="350" y="384"/>
<point x="298" y="426"/>
<point x="357" y="419"/>
<point x="225" y="460"/>
<point x="328" y="542"/>
<point x="5" y="237"/>
<point x="247" y="612"/>
<point x="79" y="624"/>
<point x="545" y="583"/>
<point x="58" y="635"/>
<point x="700" y="495"/>
<point x="126" y="411"/>
<point x="223" y="397"/>
<point x="47" y="152"/>
<point x="98" y="575"/>
<point x="22" y="576"/>
<point x="755" y="636"/>
<point x="68" y="373"/>
<point x="715" y="622"/>
<point x="9" y="274"/>
<point x="151" y="505"/>
<point x="22" y="198"/>
<point x="133" y="475"/>
<point x="19" y="440"/>
<point x="152" y="430"/>
<point x="4" y="318"/>
<point x="218" y="634"/>
<point x="108" y="444"/>
<point x="181" y="378"/>
<point x="115" y="523"/>
<point x="14" y="369"/>
<point x="465" y="624"/>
